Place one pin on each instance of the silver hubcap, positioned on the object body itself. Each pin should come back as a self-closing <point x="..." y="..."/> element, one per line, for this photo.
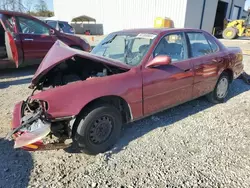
<point x="222" y="88"/>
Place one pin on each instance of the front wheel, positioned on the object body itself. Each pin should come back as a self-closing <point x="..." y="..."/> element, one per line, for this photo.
<point x="221" y="89"/>
<point x="98" y="129"/>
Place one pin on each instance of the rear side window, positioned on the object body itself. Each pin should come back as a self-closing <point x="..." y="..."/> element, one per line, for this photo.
<point x="199" y="44"/>
<point x="61" y="25"/>
<point x="213" y="45"/>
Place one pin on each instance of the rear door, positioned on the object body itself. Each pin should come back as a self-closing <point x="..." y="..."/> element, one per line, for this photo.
<point x="36" y="38"/>
<point x="12" y="40"/>
<point x="206" y="58"/>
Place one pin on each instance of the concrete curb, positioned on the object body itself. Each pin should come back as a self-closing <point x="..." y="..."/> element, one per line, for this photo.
<point x="246" y="52"/>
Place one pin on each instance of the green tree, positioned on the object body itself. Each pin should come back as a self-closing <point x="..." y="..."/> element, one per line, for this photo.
<point x="42" y="9"/>
<point x="12" y="5"/>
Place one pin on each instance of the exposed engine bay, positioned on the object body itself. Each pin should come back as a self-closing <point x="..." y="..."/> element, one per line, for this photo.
<point x="35" y="123"/>
<point x="76" y="69"/>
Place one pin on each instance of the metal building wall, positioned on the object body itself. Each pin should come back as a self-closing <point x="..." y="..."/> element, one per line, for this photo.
<point x="122" y="14"/>
<point x="231" y="4"/>
<point x="196" y="17"/>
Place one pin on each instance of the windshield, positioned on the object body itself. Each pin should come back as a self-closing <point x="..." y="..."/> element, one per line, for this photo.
<point x="127" y="48"/>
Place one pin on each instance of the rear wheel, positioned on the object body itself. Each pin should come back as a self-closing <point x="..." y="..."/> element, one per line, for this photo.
<point x="221" y="89"/>
<point x="98" y="129"/>
<point x="230" y="33"/>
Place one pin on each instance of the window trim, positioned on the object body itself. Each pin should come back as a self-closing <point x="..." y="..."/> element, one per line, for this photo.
<point x="210" y="38"/>
<point x="190" y="49"/>
<point x="20" y="30"/>
<point x="185" y="45"/>
<point x="52" y="21"/>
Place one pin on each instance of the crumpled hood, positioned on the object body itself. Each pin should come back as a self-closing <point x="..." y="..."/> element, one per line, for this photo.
<point x="60" y="52"/>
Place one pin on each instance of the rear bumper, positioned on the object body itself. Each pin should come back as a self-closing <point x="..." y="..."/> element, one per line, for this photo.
<point x="238" y="70"/>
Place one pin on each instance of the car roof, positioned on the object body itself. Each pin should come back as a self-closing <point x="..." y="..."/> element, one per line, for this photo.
<point x="14" y="13"/>
<point x="157" y="30"/>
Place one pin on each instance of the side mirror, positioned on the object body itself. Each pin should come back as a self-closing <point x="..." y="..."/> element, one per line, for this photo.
<point x="159" y="60"/>
<point x="51" y="31"/>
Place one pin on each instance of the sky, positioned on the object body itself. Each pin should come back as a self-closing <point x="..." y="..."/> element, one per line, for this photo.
<point x="247" y="4"/>
<point x="49" y="3"/>
<point x="51" y="7"/>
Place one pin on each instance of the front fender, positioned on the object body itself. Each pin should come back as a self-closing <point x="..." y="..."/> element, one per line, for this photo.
<point x="69" y="100"/>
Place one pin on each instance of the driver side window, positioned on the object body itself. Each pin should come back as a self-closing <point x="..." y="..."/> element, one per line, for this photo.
<point x="29" y="26"/>
<point x="172" y="45"/>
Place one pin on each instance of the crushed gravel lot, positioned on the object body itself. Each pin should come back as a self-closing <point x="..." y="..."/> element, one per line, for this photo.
<point x="196" y="144"/>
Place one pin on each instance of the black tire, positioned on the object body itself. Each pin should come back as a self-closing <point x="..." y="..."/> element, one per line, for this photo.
<point x="230" y="33"/>
<point x="213" y="96"/>
<point x="88" y="126"/>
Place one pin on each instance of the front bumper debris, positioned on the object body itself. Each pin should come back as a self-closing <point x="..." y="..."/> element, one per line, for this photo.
<point x="29" y="130"/>
<point x="39" y="130"/>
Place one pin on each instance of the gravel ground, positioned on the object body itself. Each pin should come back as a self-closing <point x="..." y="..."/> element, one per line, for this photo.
<point x="196" y="144"/>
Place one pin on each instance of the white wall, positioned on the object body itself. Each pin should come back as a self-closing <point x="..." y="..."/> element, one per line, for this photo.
<point x="122" y="14"/>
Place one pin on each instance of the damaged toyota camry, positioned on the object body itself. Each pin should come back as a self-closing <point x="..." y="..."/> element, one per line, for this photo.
<point x="87" y="97"/>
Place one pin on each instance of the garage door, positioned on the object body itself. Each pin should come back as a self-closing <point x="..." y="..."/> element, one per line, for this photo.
<point x="236" y="13"/>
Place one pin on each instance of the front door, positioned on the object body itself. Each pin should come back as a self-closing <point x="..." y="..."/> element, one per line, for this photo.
<point x="12" y="43"/>
<point x="36" y="39"/>
<point x="169" y="85"/>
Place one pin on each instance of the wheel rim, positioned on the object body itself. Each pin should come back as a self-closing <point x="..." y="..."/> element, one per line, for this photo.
<point x="101" y="129"/>
<point x="229" y="33"/>
<point x="222" y="88"/>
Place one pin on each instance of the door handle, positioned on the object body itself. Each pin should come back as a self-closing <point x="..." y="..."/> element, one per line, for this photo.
<point x="28" y="39"/>
<point x="186" y="70"/>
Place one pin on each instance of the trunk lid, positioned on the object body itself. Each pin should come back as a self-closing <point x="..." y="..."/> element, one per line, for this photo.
<point x="60" y="52"/>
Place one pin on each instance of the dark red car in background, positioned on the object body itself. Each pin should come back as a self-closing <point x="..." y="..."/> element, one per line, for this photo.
<point x="131" y="74"/>
<point x="25" y="40"/>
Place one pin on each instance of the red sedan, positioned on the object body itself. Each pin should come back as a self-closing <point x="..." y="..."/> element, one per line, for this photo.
<point x="25" y="40"/>
<point x="129" y="75"/>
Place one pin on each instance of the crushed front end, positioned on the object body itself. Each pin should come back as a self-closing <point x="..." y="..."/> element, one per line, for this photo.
<point x="31" y="124"/>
